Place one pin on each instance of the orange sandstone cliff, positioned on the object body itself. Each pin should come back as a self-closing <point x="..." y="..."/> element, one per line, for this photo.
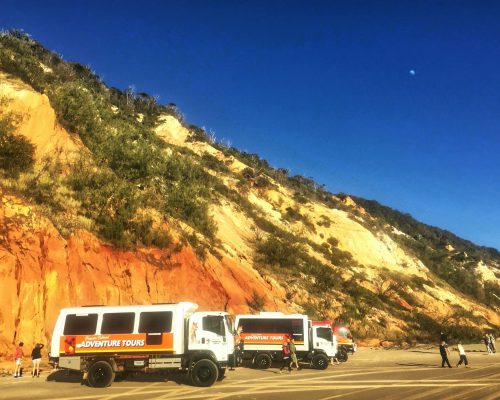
<point x="42" y="272"/>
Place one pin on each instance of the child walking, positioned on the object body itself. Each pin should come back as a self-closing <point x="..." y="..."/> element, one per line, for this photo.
<point x="463" y="357"/>
<point x="18" y="359"/>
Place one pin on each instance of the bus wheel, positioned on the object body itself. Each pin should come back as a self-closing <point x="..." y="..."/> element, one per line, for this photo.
<point x="204" y="373"/>
<point x="262" y="361"/>
<point x="222" y="372"/>
<point x="342" y="355"/>
<point x="320" y="361"/>
<point x="100" y="374"/>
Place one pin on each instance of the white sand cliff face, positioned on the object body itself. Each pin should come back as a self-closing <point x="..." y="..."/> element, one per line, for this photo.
<point x="171" y="130"/>
<point x="488" y="273"/>
<point x="375" y="254"/>
<point x="39" y="122"/>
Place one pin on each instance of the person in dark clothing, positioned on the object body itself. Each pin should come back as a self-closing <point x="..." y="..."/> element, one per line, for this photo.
<point x="36" y="356"/>
<point x="443" y="338"/>
<point x="443" y="349"/>
<point x="285" y="353"/>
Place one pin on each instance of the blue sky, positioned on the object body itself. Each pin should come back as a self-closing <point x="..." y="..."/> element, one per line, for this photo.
<point x="322" y="88"/>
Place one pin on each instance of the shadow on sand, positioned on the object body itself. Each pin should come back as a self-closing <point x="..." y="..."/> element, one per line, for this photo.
<point x="424" y="351"/>
<point x="65" y="376"/>
<point x="275" y="368"/>
<point x="68" y="376"/>
<point x="418" y="365"/>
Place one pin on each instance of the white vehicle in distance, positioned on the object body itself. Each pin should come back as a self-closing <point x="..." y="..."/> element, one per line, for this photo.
<point x="263" y="335"/>
<point x="101" y="341"/>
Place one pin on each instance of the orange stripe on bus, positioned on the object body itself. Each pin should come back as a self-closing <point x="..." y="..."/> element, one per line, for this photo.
<point x="112" y="343"/>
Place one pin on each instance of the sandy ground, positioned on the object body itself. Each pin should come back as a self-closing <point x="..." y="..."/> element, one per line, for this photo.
<point x="388" y="374"/>
<point x="7" y="366"/>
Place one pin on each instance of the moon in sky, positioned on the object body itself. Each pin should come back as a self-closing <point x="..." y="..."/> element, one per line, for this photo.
<point x="412" y="72"/>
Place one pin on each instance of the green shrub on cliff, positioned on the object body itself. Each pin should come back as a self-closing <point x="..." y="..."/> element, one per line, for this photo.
<point x="130" y="167"/>
<point x="76" y="109"/>
<point x="17" y="154"/>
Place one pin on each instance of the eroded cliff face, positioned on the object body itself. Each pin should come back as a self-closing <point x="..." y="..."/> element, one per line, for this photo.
<point x="41" y="272"/>
<point x="39" y="122"/>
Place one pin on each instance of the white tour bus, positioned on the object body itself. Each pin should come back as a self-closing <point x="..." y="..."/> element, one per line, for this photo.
<point x="263" y="335"/>
<point x="101" y="341"/>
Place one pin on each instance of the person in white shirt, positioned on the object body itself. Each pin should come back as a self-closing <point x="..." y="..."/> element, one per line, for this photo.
<point x="463" y="357"/>
<point x="491" y="343"/>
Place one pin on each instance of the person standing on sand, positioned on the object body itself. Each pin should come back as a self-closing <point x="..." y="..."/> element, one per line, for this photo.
<point x="463" y="357"/>
<point x="486" y="340"/>
<point x="238" y="348"/>
<point x="443" y="349"/>
<point x="491" y="343"/>
<point x="36" y="356"/>
<point x="293" y="353"/>
<point x="18" y="359"/>
<point x="335" y="345"/>
<point x="285" y="353"/>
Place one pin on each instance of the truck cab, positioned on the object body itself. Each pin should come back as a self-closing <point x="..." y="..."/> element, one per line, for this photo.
<point x="324" y="340"/>
<point x="211" y="332"/>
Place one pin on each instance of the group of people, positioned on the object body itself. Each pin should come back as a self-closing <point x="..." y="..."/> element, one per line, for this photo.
<point x="443" y="350"/>
<point x="36" y="357"/>
<point x="489" y="342"/>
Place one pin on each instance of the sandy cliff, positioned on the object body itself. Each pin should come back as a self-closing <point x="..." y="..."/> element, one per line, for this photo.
<point x="39" y="122"/>
<point x="42" y="272"/>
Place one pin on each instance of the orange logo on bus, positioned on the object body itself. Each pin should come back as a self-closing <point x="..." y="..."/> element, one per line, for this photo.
<point x="266" y="338"/>
<point x="114" y="343"/>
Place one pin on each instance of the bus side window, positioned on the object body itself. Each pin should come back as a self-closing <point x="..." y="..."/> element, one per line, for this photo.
<point x="155" y="322"/>
<point x="298" y="329"/>
<point x="113" y="323"/>
<point x="84" y="324"/>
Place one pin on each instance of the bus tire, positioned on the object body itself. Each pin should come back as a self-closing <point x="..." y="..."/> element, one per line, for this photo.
<point x="204" y="373"/>
<point x="342" y="355"/>
<point x="222" y="373"/>
<point x="100" y="374"/>
<point x="320" y="361"/>
<point x="262" y="361"/>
